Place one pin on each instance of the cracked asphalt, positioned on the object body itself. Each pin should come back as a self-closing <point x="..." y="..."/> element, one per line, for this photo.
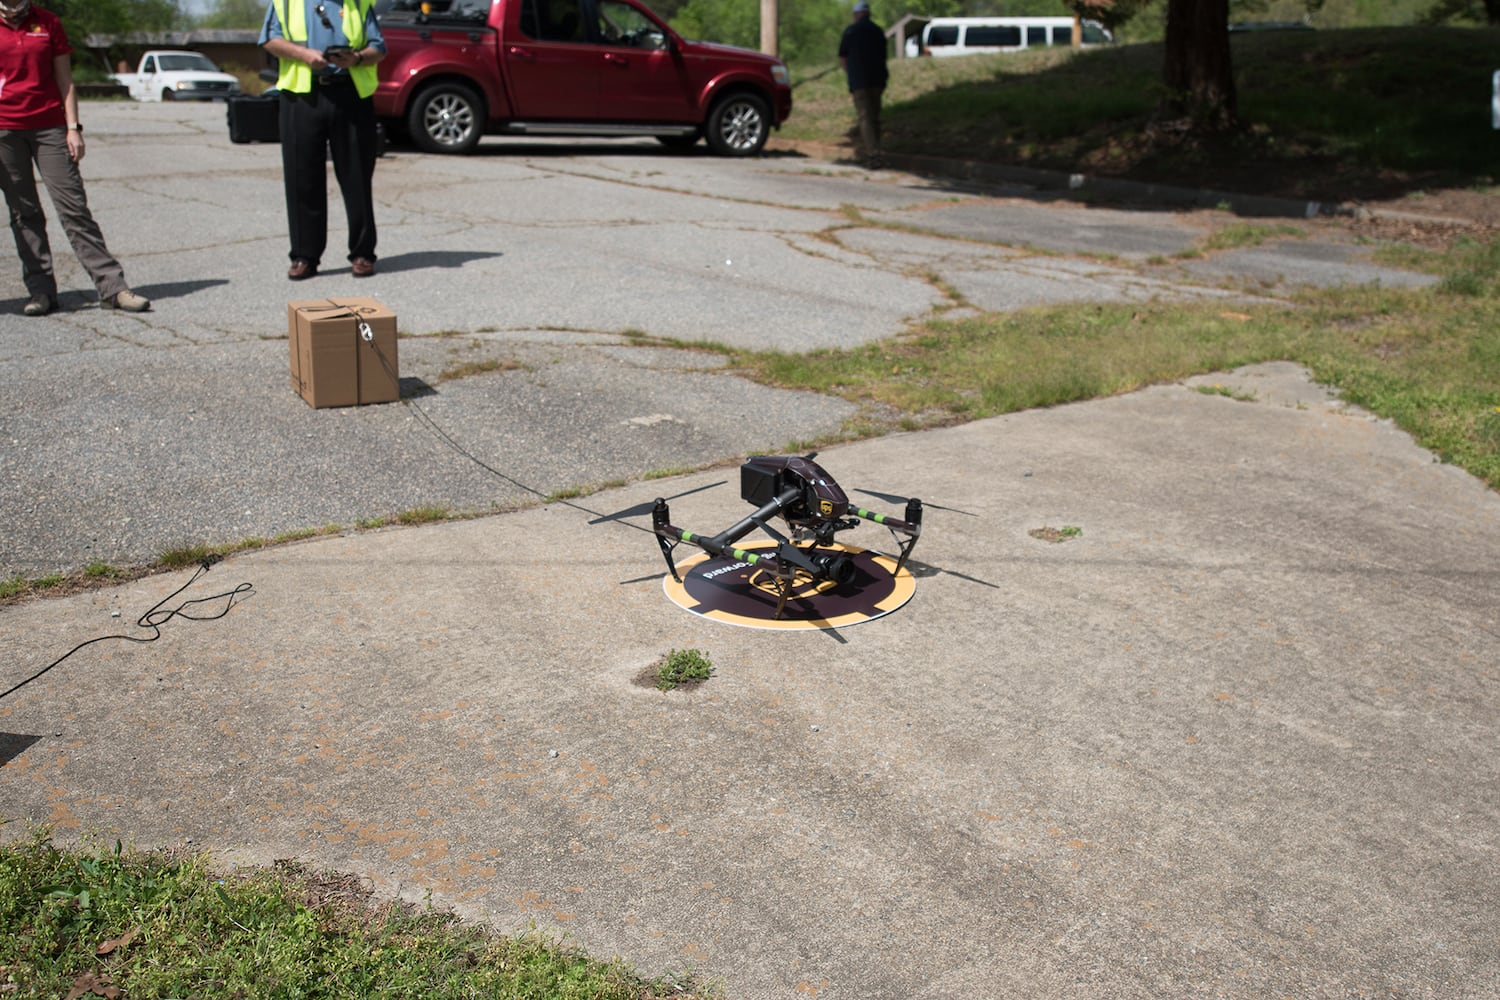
<point x="1232" y="738"/>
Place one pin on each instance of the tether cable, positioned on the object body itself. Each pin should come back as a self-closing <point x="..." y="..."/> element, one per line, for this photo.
<point x="368" y="336"/>
<point x="154" y="619"/>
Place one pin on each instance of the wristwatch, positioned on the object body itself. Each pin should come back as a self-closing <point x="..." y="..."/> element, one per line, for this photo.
<point x="78" y="127"/>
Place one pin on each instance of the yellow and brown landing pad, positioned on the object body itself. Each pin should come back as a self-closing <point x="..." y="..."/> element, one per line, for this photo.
<point x="733" y="591"/>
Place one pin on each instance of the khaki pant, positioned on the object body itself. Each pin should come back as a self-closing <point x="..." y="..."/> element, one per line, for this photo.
<point x="48" y="149"/>
<point x="867" y="107"/>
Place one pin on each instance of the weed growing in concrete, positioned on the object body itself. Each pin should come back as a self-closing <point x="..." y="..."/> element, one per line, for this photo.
<point x="682" y="666"/>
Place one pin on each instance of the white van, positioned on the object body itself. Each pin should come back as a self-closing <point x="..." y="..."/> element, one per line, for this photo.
<point x="963" y="36"/>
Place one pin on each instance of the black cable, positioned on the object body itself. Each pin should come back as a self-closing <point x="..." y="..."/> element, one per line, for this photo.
<point x="155" y="618"/>
<point x="368" y="337"/>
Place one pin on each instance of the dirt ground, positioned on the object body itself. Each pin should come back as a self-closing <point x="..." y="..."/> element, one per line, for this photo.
<point x="1434" y="218"/>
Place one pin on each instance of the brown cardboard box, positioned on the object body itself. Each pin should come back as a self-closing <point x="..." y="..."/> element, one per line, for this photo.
<point x="332" y="362"/>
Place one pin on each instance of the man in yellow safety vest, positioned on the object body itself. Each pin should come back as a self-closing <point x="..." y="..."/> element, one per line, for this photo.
<point x="327" y="50"/>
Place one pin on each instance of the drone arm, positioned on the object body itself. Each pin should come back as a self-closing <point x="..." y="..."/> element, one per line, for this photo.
<point x="668" y="535"/>
<point x="758" y="519"/>
<point x="911" y="527"/>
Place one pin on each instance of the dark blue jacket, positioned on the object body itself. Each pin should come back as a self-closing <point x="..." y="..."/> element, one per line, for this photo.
<point x="863" y="45"/>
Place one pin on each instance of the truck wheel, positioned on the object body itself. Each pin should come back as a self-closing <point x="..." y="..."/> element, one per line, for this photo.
<point x="169" y="94"/>
<point x="446" y="118"/>
<point x="739" y="125"/>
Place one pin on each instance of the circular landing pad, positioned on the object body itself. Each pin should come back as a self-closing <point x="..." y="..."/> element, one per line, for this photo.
<point x="732" y="591"/>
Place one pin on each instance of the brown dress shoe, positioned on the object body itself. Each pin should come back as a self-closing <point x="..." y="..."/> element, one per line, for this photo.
<point x="363" y="267"/>
<point x="301" y="269"/>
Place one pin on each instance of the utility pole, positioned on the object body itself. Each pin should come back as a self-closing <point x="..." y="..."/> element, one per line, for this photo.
<point x="769" y="13"/>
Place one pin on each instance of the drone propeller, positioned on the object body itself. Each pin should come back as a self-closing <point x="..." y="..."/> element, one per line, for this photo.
<point x="645" y="508"/>
<point x="892" y="498"/>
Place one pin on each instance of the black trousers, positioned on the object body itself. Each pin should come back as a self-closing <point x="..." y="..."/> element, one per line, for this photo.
<point x="333" y="117"/>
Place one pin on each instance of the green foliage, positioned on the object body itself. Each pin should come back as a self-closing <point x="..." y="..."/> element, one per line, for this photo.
<point x="234" y="14"/>
<point x="82" y="18"/>
<point x="166" y="925"/>
<point x="682" y="666"/>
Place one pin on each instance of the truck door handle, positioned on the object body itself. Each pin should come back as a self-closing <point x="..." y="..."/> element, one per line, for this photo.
<point x="520" y="53"/>
<point x="617" y="59"/>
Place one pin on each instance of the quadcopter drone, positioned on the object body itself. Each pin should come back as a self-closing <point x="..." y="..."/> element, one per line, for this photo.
<point x="814" y="507"/>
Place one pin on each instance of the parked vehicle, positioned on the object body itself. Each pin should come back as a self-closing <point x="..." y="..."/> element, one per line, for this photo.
<point x="962" y="36"/>
<point x="569" y="67"/>
<point x="170" y="75"/>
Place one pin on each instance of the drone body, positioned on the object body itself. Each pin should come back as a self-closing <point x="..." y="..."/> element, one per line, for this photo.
<point x="814" y="508"/>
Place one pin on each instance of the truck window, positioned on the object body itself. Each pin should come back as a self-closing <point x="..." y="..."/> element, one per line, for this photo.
<point x="997" y="36"/>
<point x="622" y="24"/>
<point x="942" y="34"/>
<point x="149" y="66"/>
<point x="552" y="20"/>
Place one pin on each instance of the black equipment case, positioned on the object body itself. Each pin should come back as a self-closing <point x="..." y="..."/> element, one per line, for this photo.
<point x="255" y="119"/>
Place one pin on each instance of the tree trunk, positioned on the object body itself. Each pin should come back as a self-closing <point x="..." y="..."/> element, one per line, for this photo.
<point x="1199" y="71"/>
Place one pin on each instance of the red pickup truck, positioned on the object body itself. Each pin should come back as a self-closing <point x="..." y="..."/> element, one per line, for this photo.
<point x="456" y="70"/>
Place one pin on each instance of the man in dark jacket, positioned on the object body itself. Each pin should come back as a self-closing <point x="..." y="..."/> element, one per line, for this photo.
<point x="862" y="56"/>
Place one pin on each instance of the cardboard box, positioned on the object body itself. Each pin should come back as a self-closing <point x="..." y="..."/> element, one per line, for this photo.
<point x="333" y="362"/>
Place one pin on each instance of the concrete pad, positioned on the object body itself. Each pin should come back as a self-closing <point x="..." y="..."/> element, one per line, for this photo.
<point x="1232" y="738"/>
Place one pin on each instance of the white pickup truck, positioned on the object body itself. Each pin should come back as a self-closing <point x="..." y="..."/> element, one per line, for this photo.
<point x="170" y="75"/>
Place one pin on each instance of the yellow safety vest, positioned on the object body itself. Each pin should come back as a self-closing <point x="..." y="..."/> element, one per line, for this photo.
<point x="297" y="76"/>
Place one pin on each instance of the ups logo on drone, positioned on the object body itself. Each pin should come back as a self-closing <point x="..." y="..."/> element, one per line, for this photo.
<point x="825" y="507"/>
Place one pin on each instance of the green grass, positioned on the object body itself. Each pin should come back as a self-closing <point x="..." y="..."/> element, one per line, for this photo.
<point x="173" y="925"/>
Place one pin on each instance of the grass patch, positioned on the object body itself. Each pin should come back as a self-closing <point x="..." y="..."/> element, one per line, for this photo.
<point x="423" y="515"/>
<point x="468" y="368"/>
<point x="1238" y="235"/>
<point x="1225" y="391"/>
<point x="170" y="925"/>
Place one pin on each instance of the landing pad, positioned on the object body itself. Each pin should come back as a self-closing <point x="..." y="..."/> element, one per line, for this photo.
<point x="730" y="590"/>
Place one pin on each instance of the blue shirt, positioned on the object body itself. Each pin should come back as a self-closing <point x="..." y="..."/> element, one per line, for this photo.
<point x="320" y="36"/>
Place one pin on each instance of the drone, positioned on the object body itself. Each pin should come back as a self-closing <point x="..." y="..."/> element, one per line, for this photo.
<point x="814" y="508"/>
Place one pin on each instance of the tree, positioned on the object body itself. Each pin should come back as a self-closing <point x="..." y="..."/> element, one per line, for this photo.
<point x="1110" y="13"/>
<point x="234" y="14"/>
<point x="1199" y="71"/>
<point x="1443" y="11"/>
<point x="82" y="18"/>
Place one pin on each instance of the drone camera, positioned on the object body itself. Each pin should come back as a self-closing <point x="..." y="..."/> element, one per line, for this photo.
<point x="837" y="568"/>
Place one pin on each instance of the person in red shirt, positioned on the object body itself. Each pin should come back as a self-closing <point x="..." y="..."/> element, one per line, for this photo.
<point x="39" y="125"/>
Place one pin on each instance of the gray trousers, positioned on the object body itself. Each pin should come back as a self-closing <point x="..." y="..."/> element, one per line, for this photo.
<point x="48" y="149"/>
<point x="867" y="107"/>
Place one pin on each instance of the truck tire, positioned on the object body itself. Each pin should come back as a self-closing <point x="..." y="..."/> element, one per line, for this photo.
<point x="446" y="118"/>
<point x="168" y="94"/>
<point x="739" y="125"/>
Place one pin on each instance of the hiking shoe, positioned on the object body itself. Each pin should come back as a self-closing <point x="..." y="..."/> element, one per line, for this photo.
<point x="39" y="305"/>
<point x="128" y="301"/>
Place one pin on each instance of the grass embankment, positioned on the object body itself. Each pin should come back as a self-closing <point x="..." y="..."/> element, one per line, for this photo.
<point x="126" y="924"/>
<point x="1331" y="115"/>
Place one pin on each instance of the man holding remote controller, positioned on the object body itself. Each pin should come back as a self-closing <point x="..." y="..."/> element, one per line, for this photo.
<point x="327" y="51"/>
